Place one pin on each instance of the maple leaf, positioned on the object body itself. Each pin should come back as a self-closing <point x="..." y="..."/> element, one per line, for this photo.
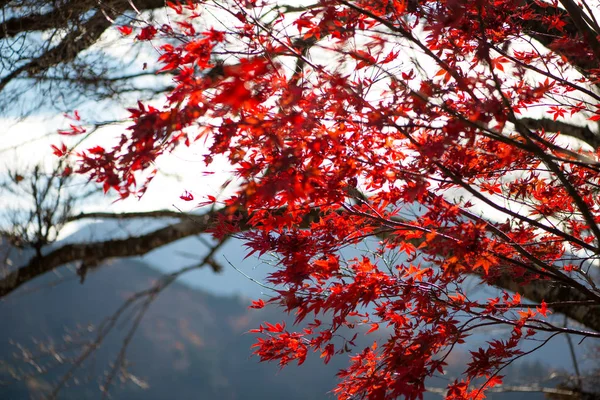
<point x="258" y="304"/>
<point x="373" y="328"/>
<point x="211" y="200"/>
<point x="187" y="196"/>
<point x="125" y="30"/>
<point x="485" y="263"/>
<point x="59" y="151"/>
<point x="557" y="112"/>
<point x="147" y="33"/>
<point x="495" y="380"/>
<point x="542" y="309"/>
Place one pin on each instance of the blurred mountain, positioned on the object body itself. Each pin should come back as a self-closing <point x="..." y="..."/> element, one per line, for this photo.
<point x="234" y="279"/>
<point x="191" y="343"/>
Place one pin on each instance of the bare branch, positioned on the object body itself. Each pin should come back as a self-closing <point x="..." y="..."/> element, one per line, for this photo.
<point x="519" y="389"/>
<point x="582" y="133"/>
<point x="545" y="34"/>
<point x="564" y="299"/>
<point x="588" y="34"/>
<point x="84" y="33"/>
<point x="68" y="49"/>
<point x="91" y="253"/>
<point x="56" y="18"/>
<point x="132" y="215"/>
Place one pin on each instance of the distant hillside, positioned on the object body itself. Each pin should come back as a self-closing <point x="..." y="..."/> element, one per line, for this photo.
<point x="190" y="344"/>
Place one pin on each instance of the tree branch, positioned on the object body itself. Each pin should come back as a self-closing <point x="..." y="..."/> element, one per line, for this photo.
<point x="518" y="389"/>
<point x="582" y="133"/>
<point x="133" y="215"/>
<point x="548" y="36"/>
<point x="77" y="40"/>
<point x="565" y="300"/>
<point x="92" y="253"/>
<point x="55" y="19"/>
<point x="586" y="32"/>
<point x="66" y="51"/>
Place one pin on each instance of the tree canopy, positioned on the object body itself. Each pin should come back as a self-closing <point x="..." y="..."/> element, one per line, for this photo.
<point x="460" y="135"/>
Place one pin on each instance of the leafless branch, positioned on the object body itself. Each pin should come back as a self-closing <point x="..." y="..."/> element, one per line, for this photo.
<point x="149" y="296"/>
<point x="564" y="299"/>
<point x="520" y="389"/>
<point x="582" y="133"/>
